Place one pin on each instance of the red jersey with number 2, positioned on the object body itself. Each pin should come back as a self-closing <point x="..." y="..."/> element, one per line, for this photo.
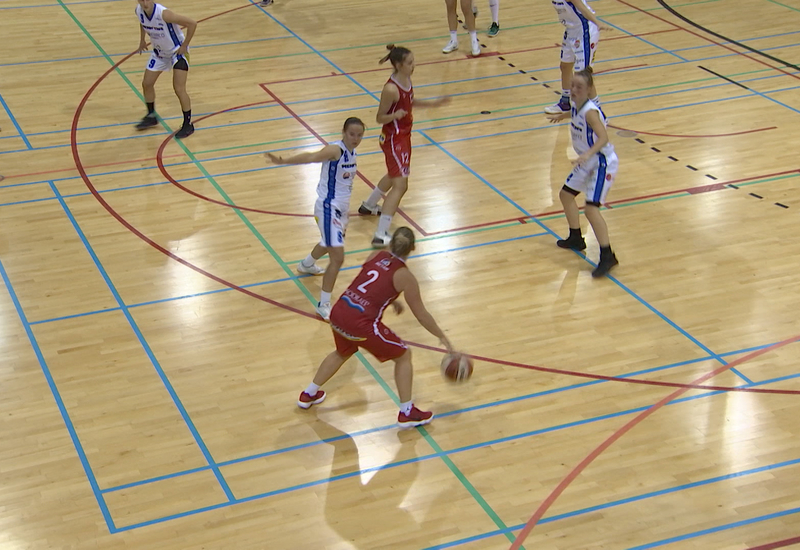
<point x="402" y="126"/>
<point x="372" y="290"/>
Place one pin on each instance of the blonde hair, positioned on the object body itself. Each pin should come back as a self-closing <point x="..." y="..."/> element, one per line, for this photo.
<point x="402" y="242"/>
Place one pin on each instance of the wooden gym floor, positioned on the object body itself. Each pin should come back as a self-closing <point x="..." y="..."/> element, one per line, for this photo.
<point x="154" y="339"/>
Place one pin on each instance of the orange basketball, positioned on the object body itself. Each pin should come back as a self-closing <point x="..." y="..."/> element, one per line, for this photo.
<point x="456" y="367"/>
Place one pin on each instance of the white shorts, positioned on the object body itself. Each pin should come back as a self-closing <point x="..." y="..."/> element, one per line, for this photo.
<point x="332" y="221"/>
<point x="595" y="177"/>
<point x="579" y="46"/>
<point x="159" y="64"/>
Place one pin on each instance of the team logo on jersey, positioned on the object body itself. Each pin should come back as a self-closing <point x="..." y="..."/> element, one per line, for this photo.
<point x="608" y="177"/>
<point x="577" y="43"/>
<point x="591" y="46"/>
<point x="347" y="175"/>
<point x="382" y="139"/>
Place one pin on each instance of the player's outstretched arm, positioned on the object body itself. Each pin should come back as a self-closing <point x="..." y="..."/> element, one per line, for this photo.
<point x="329" y="152"/>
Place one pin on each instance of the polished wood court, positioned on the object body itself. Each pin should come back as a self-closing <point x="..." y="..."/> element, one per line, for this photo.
<point x="155" y="339"/>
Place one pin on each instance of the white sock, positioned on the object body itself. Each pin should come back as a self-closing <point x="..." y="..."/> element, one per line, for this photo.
<point x="324" y="297"/>
<point x="494" y="5"/>
<point x="374" y="197"/>
<point x="473" y="35"/>
<point x="312" y="389"/>
<point x="384" y="223"/>
<point x="454" y="36"/>
<point x="309" y="261"/>
<point x="405" y="408"/>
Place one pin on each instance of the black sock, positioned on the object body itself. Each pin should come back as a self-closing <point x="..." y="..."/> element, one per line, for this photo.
<point x="575" y="234"/>
<point x="187" y="118"/>
<point x="151" y="109"/>
<point x="605" y="252"/>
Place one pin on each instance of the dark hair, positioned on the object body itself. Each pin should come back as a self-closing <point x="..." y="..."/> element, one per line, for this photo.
<point x="397" y="54"/>
<point x="352" y="120"/>
<point x="402" y="242"/>
<point x="587" y="73"/>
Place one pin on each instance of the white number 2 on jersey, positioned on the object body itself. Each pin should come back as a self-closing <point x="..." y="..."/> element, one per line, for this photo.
<point x="373" y="276"/>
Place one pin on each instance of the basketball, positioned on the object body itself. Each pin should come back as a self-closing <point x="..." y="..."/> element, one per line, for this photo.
<point x="456" y="367"/>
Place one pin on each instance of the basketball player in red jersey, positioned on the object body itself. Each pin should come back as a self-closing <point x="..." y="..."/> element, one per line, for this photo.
<point x="394" y="113"/>
<point x="356" y="323"/>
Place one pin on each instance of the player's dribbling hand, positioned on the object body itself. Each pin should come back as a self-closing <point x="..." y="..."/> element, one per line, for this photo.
<point x="398" y="307"/>
<point x="274" y="158"/>
<point x="448" y="346"/>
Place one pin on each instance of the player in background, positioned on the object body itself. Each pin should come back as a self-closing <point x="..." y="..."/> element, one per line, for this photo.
<point x="339" y="167"/>
<point x="394" y="113"/>
<point x="170" y="49"/>
<point x="578" y="47"/>
<point x="356" y="323"/>
<point x="593" y="173"/>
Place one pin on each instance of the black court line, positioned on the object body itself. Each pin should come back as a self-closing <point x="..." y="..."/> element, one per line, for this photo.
<point x="726" y="39"/>
<point x="724" y="78"/>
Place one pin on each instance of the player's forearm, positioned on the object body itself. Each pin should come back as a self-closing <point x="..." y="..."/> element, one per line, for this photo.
<point x="189" y="33"/>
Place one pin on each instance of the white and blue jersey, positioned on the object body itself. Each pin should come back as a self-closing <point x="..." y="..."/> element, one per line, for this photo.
<point x="570" y="16"/>
<point x="165" y="37"/>
<point x="333" y="196"/>
<point x="596" y="175"/>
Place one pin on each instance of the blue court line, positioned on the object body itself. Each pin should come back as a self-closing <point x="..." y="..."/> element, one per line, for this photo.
<point x="194" y="47"/>
<point x="480" y="121"/>
<point x="418" y="86"/>
<point x="281" y="280"/>
<point x="87" y="469"/>
<point x="156" y="365"/>
<point x="623" y="501"/>
<point x="429" y="457"/>
<point x="237" y="172"/>
<point x="718" y="528"/>
<point x="651" y="44"/>
<point x="620" y="284"/>
<point x="15" y="123"/>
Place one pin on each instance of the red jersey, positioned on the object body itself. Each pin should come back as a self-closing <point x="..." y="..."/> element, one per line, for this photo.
<point x="373" y="289"/>
<point x="402" y="126"/>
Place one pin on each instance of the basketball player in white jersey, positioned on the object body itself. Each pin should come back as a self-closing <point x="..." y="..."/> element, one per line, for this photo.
<point x="593" y="173"/>
<point x="170" y="48"/>
<point x="335" y="186"/>
<point x="578" y="47"/>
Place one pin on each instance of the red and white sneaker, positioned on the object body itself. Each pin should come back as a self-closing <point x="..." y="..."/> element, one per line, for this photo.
<point x="414" y="418"/>
<point x="305" y="401"/>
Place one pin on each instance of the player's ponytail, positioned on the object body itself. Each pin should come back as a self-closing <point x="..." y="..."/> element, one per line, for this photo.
<point x="397" y="54"/>
<point x="402" y="242"/>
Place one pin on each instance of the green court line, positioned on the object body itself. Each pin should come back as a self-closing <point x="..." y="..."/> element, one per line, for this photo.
<point x="378" y="378"/>
<point x="784" y="5"/>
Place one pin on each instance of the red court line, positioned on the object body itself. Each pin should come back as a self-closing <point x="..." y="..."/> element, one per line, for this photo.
<point x="757" y="60"/>
<point x="695" y="136"/>
<point x="103" y="165"/>
<point x="690" y="190"/>
<point x="321" y="139"/>
<point x="544" y="506"/>
<point x="777" y="544"/>
<point x="200" y="196"/>
<point x="453" y="59"/>
<point x="87" y="181"/>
